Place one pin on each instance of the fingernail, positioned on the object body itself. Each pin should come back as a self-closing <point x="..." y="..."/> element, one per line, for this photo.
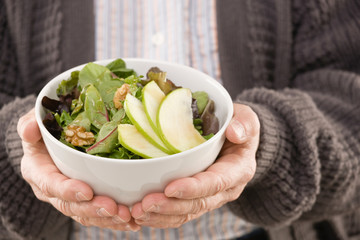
<point x="81" y="197"/>
<point x="134" y="229"/>
<point x="103" y="213"/>
<point x="144" y="217"/>
<point x="153" y="208"/>
<point x="117" y="219"/>
<point x="238" y="129"/>
<point x="175" y="194"/>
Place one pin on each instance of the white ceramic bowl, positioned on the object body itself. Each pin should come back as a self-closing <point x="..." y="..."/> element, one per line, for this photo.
<point x="128" y="181"/>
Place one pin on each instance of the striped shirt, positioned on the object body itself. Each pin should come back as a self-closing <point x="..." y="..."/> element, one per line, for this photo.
<point x="181" y="31"/>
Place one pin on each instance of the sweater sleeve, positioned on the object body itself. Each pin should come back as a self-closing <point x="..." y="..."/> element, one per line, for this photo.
<point x="38" y="40"/>
<point x="23" y="215"/>
<point x="308" y="164"/>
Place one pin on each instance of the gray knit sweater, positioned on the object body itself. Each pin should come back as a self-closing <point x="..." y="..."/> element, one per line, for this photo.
<point x="38" y="40"/>
<point x="296" y="63"/>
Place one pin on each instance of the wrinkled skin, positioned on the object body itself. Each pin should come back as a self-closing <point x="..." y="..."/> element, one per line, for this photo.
<point x="183" y="199"/>
<point x="71" y="197"/>
<point x="188" y="198"/>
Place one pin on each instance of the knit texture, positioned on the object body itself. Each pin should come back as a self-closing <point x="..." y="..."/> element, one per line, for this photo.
<point x="20" y="211"/>
<point x="30" y="50"/>
<point x="39" y="39"/>
<point x="307" y="180"/>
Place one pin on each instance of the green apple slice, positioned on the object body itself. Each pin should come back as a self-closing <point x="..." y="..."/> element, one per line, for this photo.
<point x="134" y="141"/>
<point x="135" y="111"/>
<point x="152" y="98"/>
<point x="175" y="121"/>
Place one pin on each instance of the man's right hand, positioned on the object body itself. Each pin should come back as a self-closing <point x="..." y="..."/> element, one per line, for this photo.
<point x="71" y="197"/>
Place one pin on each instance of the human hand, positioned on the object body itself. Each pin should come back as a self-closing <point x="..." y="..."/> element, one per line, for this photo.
<point x="188" y="198"/>
<point x="71" y="197"/>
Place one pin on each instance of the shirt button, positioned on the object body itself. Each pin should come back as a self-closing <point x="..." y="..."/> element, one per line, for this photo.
<point x="158" y="39"/>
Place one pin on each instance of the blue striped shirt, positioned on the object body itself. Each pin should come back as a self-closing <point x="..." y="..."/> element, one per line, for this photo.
<point x="181" y="31"/>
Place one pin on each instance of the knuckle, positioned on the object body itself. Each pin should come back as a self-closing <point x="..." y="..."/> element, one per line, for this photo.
<point x="220" y="185"/>
<point x="224" y="181"/>
<point x="44" y="188"/>
<point x="83" y="221"/>
<point x="39" y="195"/>
<point x="198" y="205"/>
<point x="249" y="173"/>
<point x="64" y="207"/>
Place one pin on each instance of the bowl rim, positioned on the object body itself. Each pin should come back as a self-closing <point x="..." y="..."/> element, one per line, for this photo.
<point x="66" y="74"/>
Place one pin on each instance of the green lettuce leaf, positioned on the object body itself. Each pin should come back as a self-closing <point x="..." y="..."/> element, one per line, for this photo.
<point x="107" y="139"/>
<point x="202" y="100"/>
<point x="93" y="73"/>
<point x="95" y="108"/>
<point x="118" y="67"/>
<point x="66" y="86"/>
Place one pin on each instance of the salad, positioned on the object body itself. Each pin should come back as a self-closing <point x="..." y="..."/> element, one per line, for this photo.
<point x="113" y="112"/>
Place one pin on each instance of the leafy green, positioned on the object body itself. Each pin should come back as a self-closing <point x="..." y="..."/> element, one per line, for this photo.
<point x="57" y="118"/>
<point x="107" y="90"/>
<point x="160" y="79"/>
<point x="66" y="86"/>
<point x="86" y="99"/>
<point x="65" y="119"/>
<point x="118" y="67"/>
<point x="123" y="153"/>
<point x="106" y="140"/>
<point x="78" y="103"/>
<point x="202" y="99"/>
<point x="95" y="108"/>
<point x="118" y="116"/>
<point x="116" y="64"/>
<point x="126" y="120"/>
<point x="92" y="73"/>
<point x="198" y="125"/>
<point x="135" y="86"/>
<point x="207" y="137"/>
<point x="82" y="120"/>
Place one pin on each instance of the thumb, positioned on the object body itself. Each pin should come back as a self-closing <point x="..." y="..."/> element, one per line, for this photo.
<point x="28" y="128"/>
<point x="244" y="125"/>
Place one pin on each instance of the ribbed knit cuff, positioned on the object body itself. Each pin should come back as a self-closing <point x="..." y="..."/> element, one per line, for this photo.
<point x="256" y="199"/>
<point x="273" y="132"/>
<point x="22" y="214"/>
<point x="9" y="117"/>
<point x="287" y="177"/>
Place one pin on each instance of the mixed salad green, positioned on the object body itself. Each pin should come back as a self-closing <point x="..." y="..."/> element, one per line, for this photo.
<point x="90" y="107"/>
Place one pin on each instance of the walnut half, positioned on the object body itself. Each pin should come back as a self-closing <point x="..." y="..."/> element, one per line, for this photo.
<point x="120" y="95"/>
<point x="77" y="136"/>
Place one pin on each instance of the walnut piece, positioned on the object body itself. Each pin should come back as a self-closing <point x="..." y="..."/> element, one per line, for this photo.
<point x="77" y="136"/>
<point x="120" y="95"/>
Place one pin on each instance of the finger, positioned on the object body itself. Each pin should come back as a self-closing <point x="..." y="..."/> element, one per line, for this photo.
<point x="110" y="222"/>
<point x="169" y="221"/>
<point x="99" y="206"/>
<point x="159" y="203"/>
<point x="28" y="128"/>
<point x="244" y="125"/>
<point x="227" y="172"/>
<point x="39" y="170"/>
<point x="156" y="220"/>
<point x="124" y="213"/>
